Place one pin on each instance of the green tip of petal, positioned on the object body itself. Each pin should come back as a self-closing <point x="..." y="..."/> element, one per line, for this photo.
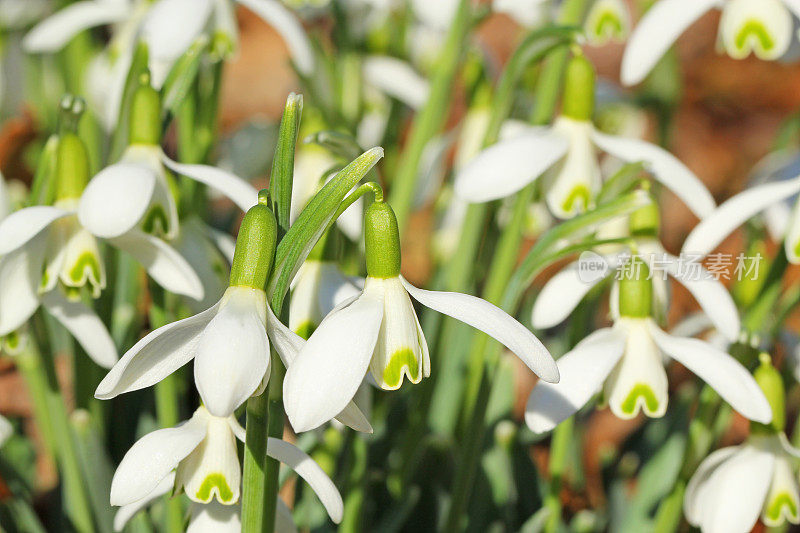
<point x="648" y="400"/>
<point x="774" y="510"/>
<point x="306" y="329"/>
<point x="215" y="483"/>
<point x="402" y="362"/>
<point x="754" y="30"/>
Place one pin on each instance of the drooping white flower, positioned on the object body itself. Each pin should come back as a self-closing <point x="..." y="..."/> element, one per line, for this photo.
<point x="565" y="157"/>
<point x="154" y="23"/>
<point x="200" y="458"/>
<point x="734" y="486"/>
<point x="378" y="332"/>
<point x="607" y="21"/>
<point x="761" y="27"/>
<point x="711" y="231"/>
<point x="626" y="362"/>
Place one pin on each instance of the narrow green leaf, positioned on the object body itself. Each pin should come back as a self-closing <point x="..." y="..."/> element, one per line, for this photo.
<point x="313" y="221"/>
<point x="181" y="78"/>
<point x="621" y="182"/>
<point x="280" y="182"/>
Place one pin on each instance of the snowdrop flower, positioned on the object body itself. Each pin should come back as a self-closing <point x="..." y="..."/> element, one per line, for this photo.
<point x="229" y="342"/>
<point x="761" y="27"/>
<point x="626" y="362"/>
<point x="318" y="287"/>
<point x="565" y="157"/>
<point x="378" y="332"/>
<point x="154" y="23"/>
<point x="733" y="486"/>
<point x="563" y="292"/>
<point x="200" y="457"/>
<point x="711" y="231"/>
<point x="48" y="257"/>
<point x="607" y="21"/>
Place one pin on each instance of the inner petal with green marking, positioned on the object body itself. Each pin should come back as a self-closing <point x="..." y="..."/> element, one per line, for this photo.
<point x="754" y="35"/>
<point x="402" y="362"/>
<point x="607" y="25"/>
<point x="578" y="199"/>
<point x="215" y="484"/>
<point x="640" y="395"/>
<point x="156" y="222"/>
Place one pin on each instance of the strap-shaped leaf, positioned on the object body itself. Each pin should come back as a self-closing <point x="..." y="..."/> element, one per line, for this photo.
<point x="138" y="67"/>
<point x="280" y="182"/>
<point x="312" y="222"/>
<point x="181" y="77"/>
<point x="624" y="180"/>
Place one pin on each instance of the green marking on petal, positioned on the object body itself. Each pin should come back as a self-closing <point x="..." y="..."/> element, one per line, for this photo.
<point x="775" y="507"/>
<point x="87" y="261"/>
<point x="640" y="390"/>
<point x="581" y="194"/>
<point x="12" y="340"/>
<point x="306" y="329"/>
<point x="72" y="293"/>
<point x="155" y="222"/>
<point x="608" y="24"/>
<point x="797" y="249"/>
<point x="215" y="481"/>
<point x="393" y="373"/>
<point x="45" y="279"/>
<point x="756" y="29"/>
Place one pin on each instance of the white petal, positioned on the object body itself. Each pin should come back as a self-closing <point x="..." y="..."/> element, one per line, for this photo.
<point x="238" y="190"/>
<point x="397" y="79"/>
<point x="571" y="185"/>
<point x="212" y="470"/>
<point x="166" y="40"/>
<point x="721" y="371"/>
<point x="311" y="472"/>
<point x="656" y="32"/>
<point x="493" y="321"/>
<point x="736" y="492"/>
<point x="128" y="511"/>
<point x="783" y="501"/>
<point x="20" y="276"/>
<point x="152" y="458"/>
<point x="639" y="381"/>
<point x="6" y="430"/>
<point x="288" y="345"/>
<point x="162" y="262"/>
<point x="763" y="27"/>
<point x="734" y="212"/>
<point x="438" y="14"/>
<point x="508" y="166"/>
<point x="287" y="25"/>
<point x="233" y="351"/>
<point x="116" y="199"/>
<point x="57" y="30"/>
<point x="560" y="296"/>
<point x="712" y="296"/>
<point x="792" y="238"/>
<point x="665" y="167"/>
<point x="84" y="324"/>
<point x="582" y="371"/>
<point x="696" y="497"/>
<point x="326" y="374"/>
<point x="156" y="356"/>
<point x="787" y="446"/>
<point x="214" y="518"/>
<point x="20" y="227"/>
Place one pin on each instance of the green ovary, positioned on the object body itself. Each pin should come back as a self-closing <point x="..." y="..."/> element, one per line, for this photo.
<point x="155" y="221"/>
<point x="608" y="24"/>
<point x="776" y="505"/>
<point x="579" y="193"/>
<point x="754" y="28"/>
<point x="305" y="329"/>
<point x="393" y="373"/>
<point x="218" y="481"/>
<point x="644" y="391"/>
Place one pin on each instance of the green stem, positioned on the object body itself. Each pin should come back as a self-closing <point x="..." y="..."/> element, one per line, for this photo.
<point x="431" y="118"/>
<point x="559" y="448"/>
<point x="45" y="389"/>
<point x="255" y="458"/>
<point x="275" y="424"/>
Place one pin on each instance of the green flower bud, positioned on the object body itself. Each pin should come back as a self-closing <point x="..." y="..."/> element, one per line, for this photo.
<point x="145" y="117"/>
<point x="635" y="290"/>
<point x="645" y="221"/>
<point x="578" y="98"/>
<point x="255" y="246"/>
<point x="382" y="241"/>
<point x="771" y="383"/>
<point x="72" y="167"/>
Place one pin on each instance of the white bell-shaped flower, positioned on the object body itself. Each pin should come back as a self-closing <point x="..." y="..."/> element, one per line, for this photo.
<point x="761" y="27"/>
<point x="607" y="21"/>
<point x="199" y="457"/>
<point x="565" y="157"/>
<point x="378" y="331"/>
<point x="626" y="362"/>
